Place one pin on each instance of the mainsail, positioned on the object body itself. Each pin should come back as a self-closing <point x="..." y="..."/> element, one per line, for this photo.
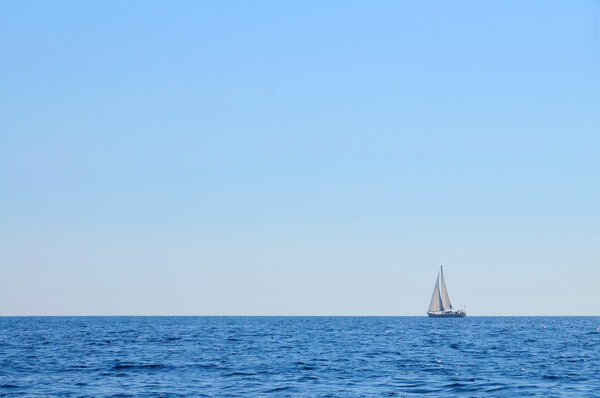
<point x="445" y="299"/>
<point x="436" y="300"/>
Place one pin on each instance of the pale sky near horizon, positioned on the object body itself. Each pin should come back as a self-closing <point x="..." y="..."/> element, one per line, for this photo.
<point x="299" y="158"/>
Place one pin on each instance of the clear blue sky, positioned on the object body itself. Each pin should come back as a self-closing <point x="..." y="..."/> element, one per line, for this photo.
<point x="299" y="157"/>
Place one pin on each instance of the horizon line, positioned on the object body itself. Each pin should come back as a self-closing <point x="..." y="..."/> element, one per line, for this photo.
<point x="292" y="316"/>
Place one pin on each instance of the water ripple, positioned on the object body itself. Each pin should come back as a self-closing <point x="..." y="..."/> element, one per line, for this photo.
<point x="303" y="356"/>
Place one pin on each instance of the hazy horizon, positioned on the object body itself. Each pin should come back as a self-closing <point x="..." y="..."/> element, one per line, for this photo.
<point x="313" y="158"/>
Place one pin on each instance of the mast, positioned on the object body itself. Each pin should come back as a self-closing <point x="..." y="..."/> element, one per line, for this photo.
<point x="444" y="293"/>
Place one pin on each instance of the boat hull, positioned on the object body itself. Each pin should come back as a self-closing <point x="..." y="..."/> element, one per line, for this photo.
<point x="459" y="314"/>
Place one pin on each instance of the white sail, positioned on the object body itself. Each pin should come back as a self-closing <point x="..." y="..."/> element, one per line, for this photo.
<point x="436" y="301"/>
<point x="445" y="298"/>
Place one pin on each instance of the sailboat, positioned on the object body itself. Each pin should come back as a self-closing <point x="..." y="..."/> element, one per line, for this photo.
<point x="440" y="306"/>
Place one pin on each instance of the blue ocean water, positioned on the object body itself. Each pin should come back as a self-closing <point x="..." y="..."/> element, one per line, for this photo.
<point x="302" y="356"/>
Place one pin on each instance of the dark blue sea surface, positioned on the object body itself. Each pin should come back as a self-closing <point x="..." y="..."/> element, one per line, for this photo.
<point x="302" y="356"/>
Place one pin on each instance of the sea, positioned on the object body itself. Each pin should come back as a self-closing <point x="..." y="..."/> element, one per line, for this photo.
<point x="299" y="356"/>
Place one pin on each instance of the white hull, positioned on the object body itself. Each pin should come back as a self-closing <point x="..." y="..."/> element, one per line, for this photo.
<point x="453" y="314"/>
